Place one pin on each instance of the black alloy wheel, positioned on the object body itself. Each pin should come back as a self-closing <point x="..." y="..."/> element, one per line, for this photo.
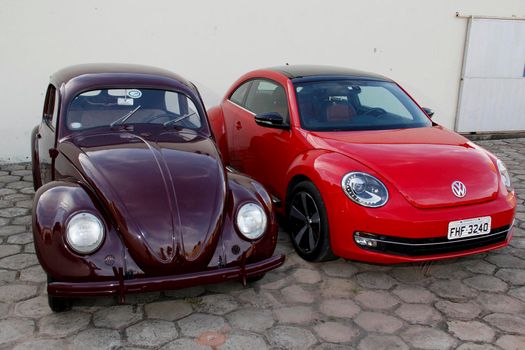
<point x="308" y="223"/>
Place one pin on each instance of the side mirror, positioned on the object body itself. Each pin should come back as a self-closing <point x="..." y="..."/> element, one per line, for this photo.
<point x="271" y="120"/>
<point x="428" y="111"/>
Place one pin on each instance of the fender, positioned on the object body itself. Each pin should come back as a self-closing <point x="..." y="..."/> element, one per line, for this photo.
<point x="54" y="204"/>
<point x="35" y="160"/>
<point x="218" y="130"/>
<point x="244" y="189"/>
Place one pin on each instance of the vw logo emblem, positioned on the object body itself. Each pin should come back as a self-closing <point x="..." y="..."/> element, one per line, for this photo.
<point x="459" y="189"/>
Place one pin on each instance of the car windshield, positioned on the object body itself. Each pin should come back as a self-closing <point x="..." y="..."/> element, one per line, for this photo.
<point x="112" y="107"/>
<point x="340" y="105"/>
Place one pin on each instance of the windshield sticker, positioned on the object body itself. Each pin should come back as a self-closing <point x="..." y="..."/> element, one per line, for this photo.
<point x="134" y="93"/>
<point x="75" y="125"/>
<point x="123" y="101"/>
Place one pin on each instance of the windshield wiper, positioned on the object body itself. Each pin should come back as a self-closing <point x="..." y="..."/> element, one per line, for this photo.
<point x="124" y="117"/>
<point x="176" y="120"/>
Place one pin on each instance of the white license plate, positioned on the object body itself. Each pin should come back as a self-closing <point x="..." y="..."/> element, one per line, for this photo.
<point x="469" y="227"/>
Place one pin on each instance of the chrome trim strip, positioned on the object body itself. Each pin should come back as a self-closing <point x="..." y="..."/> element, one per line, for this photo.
<point x="241" y="107"/>
<point x="437" y="243"/>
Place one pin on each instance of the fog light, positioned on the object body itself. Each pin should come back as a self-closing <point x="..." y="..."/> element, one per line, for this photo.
<point x="362" y="240"/>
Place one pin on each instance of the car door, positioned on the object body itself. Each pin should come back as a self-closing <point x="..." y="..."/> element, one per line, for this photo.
<point x="260" y="151"/>
<point x="47" y="135"/>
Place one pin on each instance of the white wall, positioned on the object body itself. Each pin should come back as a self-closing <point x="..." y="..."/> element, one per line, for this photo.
<point x="418" y="43"/>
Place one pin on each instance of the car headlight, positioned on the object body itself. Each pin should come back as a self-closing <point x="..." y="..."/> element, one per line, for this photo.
<point x="251" y="220"/>
<point x="365" y="189"/>
<point x="84" y="233"/>
<point x="504" y="174"/>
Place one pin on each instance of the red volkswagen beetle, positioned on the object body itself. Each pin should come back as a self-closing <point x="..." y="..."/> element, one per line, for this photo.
<point x="131" y="194"/>
<point x="360" y="170"/>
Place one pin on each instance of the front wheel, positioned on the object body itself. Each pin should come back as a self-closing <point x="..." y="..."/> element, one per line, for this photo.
<point x="57" y="304"/>
<point x="308" y="223"/>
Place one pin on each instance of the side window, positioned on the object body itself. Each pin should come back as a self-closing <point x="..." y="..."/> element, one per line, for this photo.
<point x="378" y="96"/>
<point x="50" y="107"/>
<point x="267" y="96"/>
<point x="238" y="95"/>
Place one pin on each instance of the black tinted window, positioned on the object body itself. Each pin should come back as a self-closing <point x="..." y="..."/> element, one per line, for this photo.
<point x="356" y="105"/>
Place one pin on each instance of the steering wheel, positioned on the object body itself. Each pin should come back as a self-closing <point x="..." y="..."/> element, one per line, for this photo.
<point x="375" y="109"/>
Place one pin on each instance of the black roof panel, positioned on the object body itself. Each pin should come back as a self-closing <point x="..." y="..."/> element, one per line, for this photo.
<point x="302" y="71"/>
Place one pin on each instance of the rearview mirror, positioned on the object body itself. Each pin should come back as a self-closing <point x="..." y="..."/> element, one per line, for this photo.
<point x="271" y="119"/>
<point x="428" y="111"/>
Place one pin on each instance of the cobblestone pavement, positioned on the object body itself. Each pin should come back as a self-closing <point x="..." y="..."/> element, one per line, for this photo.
<point x="469" y="303"/>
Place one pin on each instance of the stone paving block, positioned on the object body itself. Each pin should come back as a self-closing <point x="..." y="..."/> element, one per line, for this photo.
<point x="339" y="288"/>
<point x="18" y="261"/>
<point x="334" y="332"/>
<point x="117" y="317"/>
<point x="151" y="333"/>
<point x="21" y="238"/>
<point x="243" y="342"/>
<point x="306" y="276"/>
<point x="97" y="338"/>
<point x="251" y="320"/>
<point x="15" y="329"/>
<point x="378" y="322"/>
<point x="63" y="324"/>
<point x="217" y="304"/>
<point x="383" y="342"/>
<point x="414" y="294"/>
<point x="428" y="338"/>
<point x="486" y="283"/>
<point x="462" y="311"/>
<point x="471" y="331"/>
<point x="42" y="344"/>
<point x="506" y="322"/>
<point x="297" y="294"/>
<point x="344" y="308"/>
<point x="293" y="338"/>
<point x="375" y="280"/>
<point x="379" y="300"/>
<point x="515" y="277"/>
<point x="339" y="268"/>
<point x="7" y="275"/>
<point x="418" y="314"/>
<point x="16" y="292"/>
<point x="185" y="344"/>
<point x="9" y="249"/>
<point x="34" y="308"/>
<point x="497" y="302"/>
<point x="295" y="314"/>
<point x="169" y="310"/>
<point x="453" y="290"/>
<point x="33" y="274"/>
<point x="197" y="323"/>
<point x="511" y="342"/>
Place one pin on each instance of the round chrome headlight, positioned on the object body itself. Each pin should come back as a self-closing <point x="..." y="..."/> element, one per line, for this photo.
<point x="365" y="189"/>
<point x="251" y="220"/>
<point x="85" y="233"/>
<point x="504" y="174"/>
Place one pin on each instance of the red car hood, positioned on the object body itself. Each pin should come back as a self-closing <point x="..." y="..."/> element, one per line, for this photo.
<point x="421" y="163"/>
<point x="166" y="195"/>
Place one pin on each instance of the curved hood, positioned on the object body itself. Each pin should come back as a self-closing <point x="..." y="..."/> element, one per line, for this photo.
<point x="422" y="163"/>
<point x="166" y="193"/>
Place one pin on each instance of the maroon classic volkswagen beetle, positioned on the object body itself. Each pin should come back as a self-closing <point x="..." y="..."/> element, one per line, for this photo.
<point x="132" y="195"/>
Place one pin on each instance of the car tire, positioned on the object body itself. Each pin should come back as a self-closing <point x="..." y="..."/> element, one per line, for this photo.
<point x="308" y="223"/>
<point x="58" y="304"/>
<point x="255" y="278"/>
